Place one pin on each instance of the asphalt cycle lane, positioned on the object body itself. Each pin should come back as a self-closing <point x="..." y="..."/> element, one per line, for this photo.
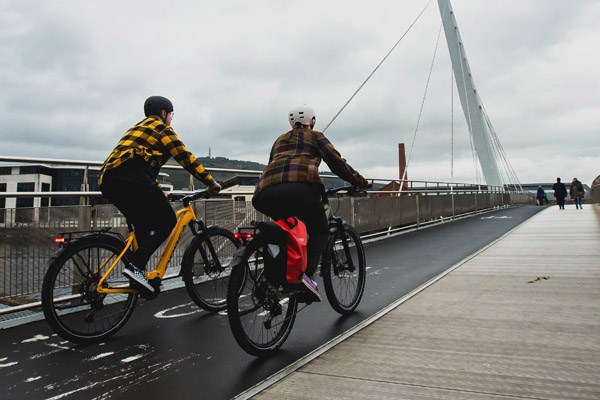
<point x="170" y="348"/>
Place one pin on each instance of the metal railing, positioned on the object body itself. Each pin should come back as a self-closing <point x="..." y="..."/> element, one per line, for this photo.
<point x="26" y="234"/>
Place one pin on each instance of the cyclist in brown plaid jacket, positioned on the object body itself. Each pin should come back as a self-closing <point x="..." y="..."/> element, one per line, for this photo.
<point x="290" y="185"/>
<point x="128" y="178"/>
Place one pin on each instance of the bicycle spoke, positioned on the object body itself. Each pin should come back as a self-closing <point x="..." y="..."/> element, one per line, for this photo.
<point x="259" y="316"/>
<point x="72" y="305"/>
<point x="344" y="277"/>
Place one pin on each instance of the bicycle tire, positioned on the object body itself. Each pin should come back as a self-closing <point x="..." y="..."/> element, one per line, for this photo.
<point x="344" y="281"/>
<point x="260" y="316"/>
<point x="71" y="305"/>
<point x="205" y="282"/>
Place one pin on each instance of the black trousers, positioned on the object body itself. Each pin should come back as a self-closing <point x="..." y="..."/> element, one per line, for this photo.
<point x="302" y="200"/>
<point x="145" y="206"/>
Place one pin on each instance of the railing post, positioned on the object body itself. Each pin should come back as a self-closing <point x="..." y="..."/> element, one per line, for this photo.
<point x="418" y="211"/>
<point x="352" y="211"/>
<point x="453" y="204"/>
<point x="84" y="221"/>
<point x="85" y="187"/>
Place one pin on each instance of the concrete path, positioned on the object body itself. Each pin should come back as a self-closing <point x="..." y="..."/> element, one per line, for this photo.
<point x="519" y="320"/>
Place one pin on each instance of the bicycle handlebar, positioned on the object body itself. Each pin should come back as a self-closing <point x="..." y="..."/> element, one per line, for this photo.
<point x="350" y="190"/>
<point x="187" y="199"/>
<point x="203" y="194"/>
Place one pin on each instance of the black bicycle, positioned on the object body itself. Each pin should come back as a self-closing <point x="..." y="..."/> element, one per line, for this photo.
<point x="262" y="312"/>
<point x="85" y="296"/>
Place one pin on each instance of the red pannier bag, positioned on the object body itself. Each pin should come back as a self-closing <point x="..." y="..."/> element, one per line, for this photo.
<point x="297" y="256"/>
<point x="284" y="254"/>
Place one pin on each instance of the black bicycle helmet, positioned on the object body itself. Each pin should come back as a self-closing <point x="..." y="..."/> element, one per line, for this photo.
<point x="155" y="104"/>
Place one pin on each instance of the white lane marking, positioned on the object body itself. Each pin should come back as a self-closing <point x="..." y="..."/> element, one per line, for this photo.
<point x="101" y="355"/>
<point x="36" y="338"/>
<point x="163" y="313"/>
<point x="132" y="358"/>
<point x="10" y="364"/>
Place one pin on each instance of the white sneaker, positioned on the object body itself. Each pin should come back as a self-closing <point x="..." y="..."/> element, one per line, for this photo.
<point x="137" y="275"/>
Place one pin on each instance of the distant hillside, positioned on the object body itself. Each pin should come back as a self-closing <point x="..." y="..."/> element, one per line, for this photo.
<point x="181" y="178"/>
<point x="223" y="162"/>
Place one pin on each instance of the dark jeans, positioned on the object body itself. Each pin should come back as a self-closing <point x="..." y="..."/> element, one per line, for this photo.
<point x="145" y="206"/>
<point x="302" y="200"/>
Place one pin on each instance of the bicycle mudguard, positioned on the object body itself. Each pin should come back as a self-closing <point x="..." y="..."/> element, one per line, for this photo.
<point x="241" y="255"/>
<point x="245" y="251"/>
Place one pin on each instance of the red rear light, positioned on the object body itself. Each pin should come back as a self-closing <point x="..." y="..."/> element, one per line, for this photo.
<point x="240" y="235"/>
<point x="59" y="240"/>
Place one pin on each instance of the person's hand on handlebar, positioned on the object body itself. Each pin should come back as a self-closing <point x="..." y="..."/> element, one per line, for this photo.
<point x="215" y="188"/>
<point x="363" y="188"/>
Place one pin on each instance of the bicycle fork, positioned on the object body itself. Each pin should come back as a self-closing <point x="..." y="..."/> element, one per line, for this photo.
<point x="330" y="258"/>
<point x="214" y="264"/>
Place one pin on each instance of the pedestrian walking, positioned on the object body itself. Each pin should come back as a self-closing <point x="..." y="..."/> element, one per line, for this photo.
<point x="576" y="192"/>
<point x="560" y="192"/>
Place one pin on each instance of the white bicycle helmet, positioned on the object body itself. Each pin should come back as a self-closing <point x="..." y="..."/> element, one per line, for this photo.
<point x="302" y="113"/>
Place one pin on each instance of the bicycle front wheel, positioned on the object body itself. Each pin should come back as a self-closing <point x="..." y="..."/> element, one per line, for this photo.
<point x="71" y="304"/>
<point x="206" y="279"/>
<point x="260" y="315"/>
<point x="344" y="278"/>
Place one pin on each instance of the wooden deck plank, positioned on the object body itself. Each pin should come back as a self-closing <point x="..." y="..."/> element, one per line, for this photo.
<point x="519" y="320"/>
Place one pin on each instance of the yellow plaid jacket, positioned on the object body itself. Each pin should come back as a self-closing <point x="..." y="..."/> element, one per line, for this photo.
<point x="296" y="156"/>
<point x="154" y="142"/>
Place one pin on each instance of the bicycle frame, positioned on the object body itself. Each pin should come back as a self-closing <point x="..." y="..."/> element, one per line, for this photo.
<point x="185" y="216"/>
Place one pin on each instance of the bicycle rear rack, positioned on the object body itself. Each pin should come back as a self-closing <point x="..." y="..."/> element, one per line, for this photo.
<point x="63" y="238"/>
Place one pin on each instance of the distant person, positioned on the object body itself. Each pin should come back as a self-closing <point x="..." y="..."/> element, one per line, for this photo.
<point x="560" y="192"/>
<point x="290" y="185"/>
<point x="541" y="196"/>
<point x="128" y="179"/>
<point x="576" y="192"/>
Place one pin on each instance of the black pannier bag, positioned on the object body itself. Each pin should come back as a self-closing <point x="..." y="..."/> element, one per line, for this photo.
<point x="274" y="251"/>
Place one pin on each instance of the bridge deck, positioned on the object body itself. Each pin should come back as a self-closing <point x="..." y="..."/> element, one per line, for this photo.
<point x="521" y="319"/>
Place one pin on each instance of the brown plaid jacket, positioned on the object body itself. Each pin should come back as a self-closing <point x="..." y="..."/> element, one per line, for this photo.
<point x="296" y="155"/>
<point x="154" y="142"/>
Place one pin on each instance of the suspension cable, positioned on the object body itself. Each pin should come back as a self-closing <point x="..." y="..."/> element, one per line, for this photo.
<point x="452" y="125"/>
<point x="377" y="67"/>
<point x="423" y="101"/>
<point x="507" y="169"/>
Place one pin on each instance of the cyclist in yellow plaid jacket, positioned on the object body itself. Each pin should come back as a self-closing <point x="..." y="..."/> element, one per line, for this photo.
<point x="128" y="179"/>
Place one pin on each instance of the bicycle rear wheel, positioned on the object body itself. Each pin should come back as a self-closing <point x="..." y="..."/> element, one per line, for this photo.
<point x="344" y="278"/>
<point x="71" y="304"/>
<point x="260" y="315"/>
<point x="206" y="279"/>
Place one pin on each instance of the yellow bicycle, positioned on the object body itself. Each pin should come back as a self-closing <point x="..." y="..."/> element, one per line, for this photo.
<point x="86" y="298"/>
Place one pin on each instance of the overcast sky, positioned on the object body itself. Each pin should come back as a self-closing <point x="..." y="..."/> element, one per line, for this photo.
<point x="75" y="74"/>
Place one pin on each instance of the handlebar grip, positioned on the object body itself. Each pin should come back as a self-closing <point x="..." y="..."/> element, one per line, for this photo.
<point x="174" y="197"/>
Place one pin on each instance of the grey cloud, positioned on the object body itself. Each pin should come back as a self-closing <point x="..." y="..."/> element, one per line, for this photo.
<point x="74" y="78"/>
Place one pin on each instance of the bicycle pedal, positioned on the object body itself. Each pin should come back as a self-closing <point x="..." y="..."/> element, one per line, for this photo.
<point x="305" y="298"/>
<point x="156" y="283"/>
<point x="145" y="293"/>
